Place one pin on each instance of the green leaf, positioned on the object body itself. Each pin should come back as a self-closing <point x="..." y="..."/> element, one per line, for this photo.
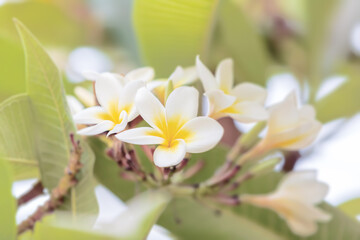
<point x="351" y="207"/>
<point x="198" y="220"/>
<point x="12" y="69"/>
<point x="318" y="19"/>
<point x="243" y="43"/>
<point x="173" y="32"/>
<point x="54" y="25"/>
<point x="188" y="219"/>
<point x="54" y="125"/>
<point x="134" y="223"/>
<point x="341" y="102"/>
<point x="17" y="142"/>
<point x="7" y="204"/>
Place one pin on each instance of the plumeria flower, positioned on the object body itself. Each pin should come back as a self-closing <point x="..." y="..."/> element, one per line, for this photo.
<point x="244" y="102"/>
<point x="144" y="74"/>
<point x="294" y="200"/>
<point x="116" y="108"/>
<point x="175" y="127"/>
<point x="290" y="127"/>
<point x="180" y="77"/>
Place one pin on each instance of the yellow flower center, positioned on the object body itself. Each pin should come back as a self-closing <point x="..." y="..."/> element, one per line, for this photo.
<point x="114" y="111"/>
<point x="170" y="130"/>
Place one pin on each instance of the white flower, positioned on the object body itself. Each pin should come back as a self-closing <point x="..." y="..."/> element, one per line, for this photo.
<point x="116" y="108"/>
<point x="294" y="200"/>
<point x="290" y="127"/>
<point x="180" y="77"/>
<point x="244" y="102"/>
<point x="175" y="127"/>
<point x="144" y="74"/>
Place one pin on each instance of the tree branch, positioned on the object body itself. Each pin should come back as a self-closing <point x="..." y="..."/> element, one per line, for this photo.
<point x="57" y="194"/>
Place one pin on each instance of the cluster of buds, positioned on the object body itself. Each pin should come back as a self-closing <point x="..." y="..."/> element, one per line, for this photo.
<point x="169" y="108"/>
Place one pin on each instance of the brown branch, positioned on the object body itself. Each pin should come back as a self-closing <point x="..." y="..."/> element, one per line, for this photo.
<point x="36" y="190"/>
<point x="290" y="160"/>
<point x="58" y="193"/>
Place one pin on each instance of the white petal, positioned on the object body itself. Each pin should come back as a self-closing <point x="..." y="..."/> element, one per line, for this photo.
<point x="97" y="129"/>
<point x="182" y="104"/>
<point x="249" y="92"/>
<point x="303" y="186"/>
<point x="190" y="75"/>
<point x="307" y="112"/>
<point x="144" y="74"/>
<point x="89" y="115"/>
<point x="107" y="92"/>
<point x="297" y="138"/>
<point x="121" y="126"/>
<point x="218" y="101"/>
<point x="201" y="134"/>
<point x="224" y="75"/>
<point x="127" y="98"/>
<point x="85" y="96"/>
<point x="248" y="112"/>
<point x="74" y="104"/>
<point x="206" y="77"/>
<point x="140" y="136"/>
<point x="284" y="115"/>
<point x="91" y="75"/>
<point x="150" y="108"/>
<point x="170" y="156"/>
<point x="177" y="74"/>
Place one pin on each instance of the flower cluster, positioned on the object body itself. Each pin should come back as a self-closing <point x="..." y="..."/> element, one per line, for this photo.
<point x="170" y="109"/>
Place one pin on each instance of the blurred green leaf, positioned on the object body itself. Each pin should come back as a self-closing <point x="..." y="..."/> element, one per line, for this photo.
<point x="134" y="223"/>
<point x="54" y="125"/>
<point x="243" y="43"/>
<point x="49" y="22"/>
<point x="173" y="32"/>
<point x="7" y="204"/>
<point x="317" y="21"/>
<point x="17" y="142"/>
<point x="12" y="69"/>
<point x="342" y="102"/>
<point x="187" y="218"/>
<point x="351" y="207"/>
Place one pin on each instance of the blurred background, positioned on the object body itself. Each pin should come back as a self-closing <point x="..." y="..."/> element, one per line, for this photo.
<point x="310" y="46"/>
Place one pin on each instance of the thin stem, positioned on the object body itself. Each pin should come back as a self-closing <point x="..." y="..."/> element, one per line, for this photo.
<point x="35" y="191"/>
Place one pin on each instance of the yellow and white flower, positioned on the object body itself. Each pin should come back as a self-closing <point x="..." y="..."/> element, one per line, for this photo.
<point x="180" y="77"/>
<point x="175" y="127"/>
<point x="290" y="127"/>
<point x="116" y="108"/>
<point x="294" y="200"/>
<point x="244" y="102"/>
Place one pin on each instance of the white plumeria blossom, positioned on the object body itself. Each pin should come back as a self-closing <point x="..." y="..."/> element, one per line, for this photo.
<point x="244" y="102"/>
<point x="144" y="74"/>
<point x="175" y="127"/>
<point x="291" y="127"/>
<point x="180" y="77"/>
<point x="116" y="108"/>
<point x="294" y="200"/>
